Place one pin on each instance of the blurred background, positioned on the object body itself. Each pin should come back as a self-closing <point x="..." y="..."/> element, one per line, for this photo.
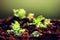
<point x="47" y="8"/>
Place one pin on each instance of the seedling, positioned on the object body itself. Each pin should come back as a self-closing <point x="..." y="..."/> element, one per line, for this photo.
<point x="38" y="23"/>
<point x="15" y="26"/>
<point x="35" y="34"/>
<point x="47" y="21"/>
<point x="16" y="29"/>
<point x="30" y="16"/>
<point x="38" y="19"/>
<point x="19" y="13"/>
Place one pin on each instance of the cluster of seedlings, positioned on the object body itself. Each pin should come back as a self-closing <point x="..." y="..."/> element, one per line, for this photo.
<point x="21" y="14"/>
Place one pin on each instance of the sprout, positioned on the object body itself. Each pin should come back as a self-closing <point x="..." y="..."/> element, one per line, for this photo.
<point x="16" y="29"/>
<point x="19" y="32"/>
<point x="47" y="21"/>
<point x="30" y="15"/>
<point x="39" y="19"/>
<point x="19" y="13"/>
<point x="30" y="23"/>
<point x="35" y="34"/>
<point x="38" y="22"/>
<point x="16" y="13"/>
<point x="15" y="26"/>
<point x="10" y="31"/>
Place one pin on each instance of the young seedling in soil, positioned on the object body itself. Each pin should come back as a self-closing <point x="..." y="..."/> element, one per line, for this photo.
<point x="35" y="34"/>
<point x="30" y="16"/>
<point x="19" y="13"/>
<point x="38" y="23"/>
<point x="16" y="29"/>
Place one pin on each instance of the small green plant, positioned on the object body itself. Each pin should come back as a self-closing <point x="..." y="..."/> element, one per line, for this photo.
<point x="19" y="13"/>
<point x="16" y="29"/>
<point x="15" y="25"/>
<point x="30" y="16"/>
<point x="38" y="19"/>
<point x="47" y="21"/>
<point x="35" y="34"/>
<point x="38" y="23"/>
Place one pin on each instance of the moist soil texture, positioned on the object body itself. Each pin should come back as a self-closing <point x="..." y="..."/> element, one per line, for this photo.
<point x="52" y="32"/>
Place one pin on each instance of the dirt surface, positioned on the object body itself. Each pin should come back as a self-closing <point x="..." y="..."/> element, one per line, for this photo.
<point x="52" y="32"/>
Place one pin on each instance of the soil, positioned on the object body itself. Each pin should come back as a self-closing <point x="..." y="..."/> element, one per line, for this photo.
<point x="52" y="32"/>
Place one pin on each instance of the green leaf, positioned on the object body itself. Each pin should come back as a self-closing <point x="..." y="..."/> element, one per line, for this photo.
<point x="30" y="15"/>
<point x="47" y="21"/>
<point x="15" y="12"/>
<point x="19" y="13"/>
<point x="15" y="26"/>
<point x="19" y="32"/>
<point x="30" y="23"/>
<point x="10" y="31"/>
<point x="35" y="34"/>
<point x="22" y="30"/>
<point x="22" y="13"/>
<point x="39" y="19"/>
<point x="40" y="25"/>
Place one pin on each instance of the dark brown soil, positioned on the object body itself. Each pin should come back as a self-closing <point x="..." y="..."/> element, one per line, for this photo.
<point x="52" y="32"/>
